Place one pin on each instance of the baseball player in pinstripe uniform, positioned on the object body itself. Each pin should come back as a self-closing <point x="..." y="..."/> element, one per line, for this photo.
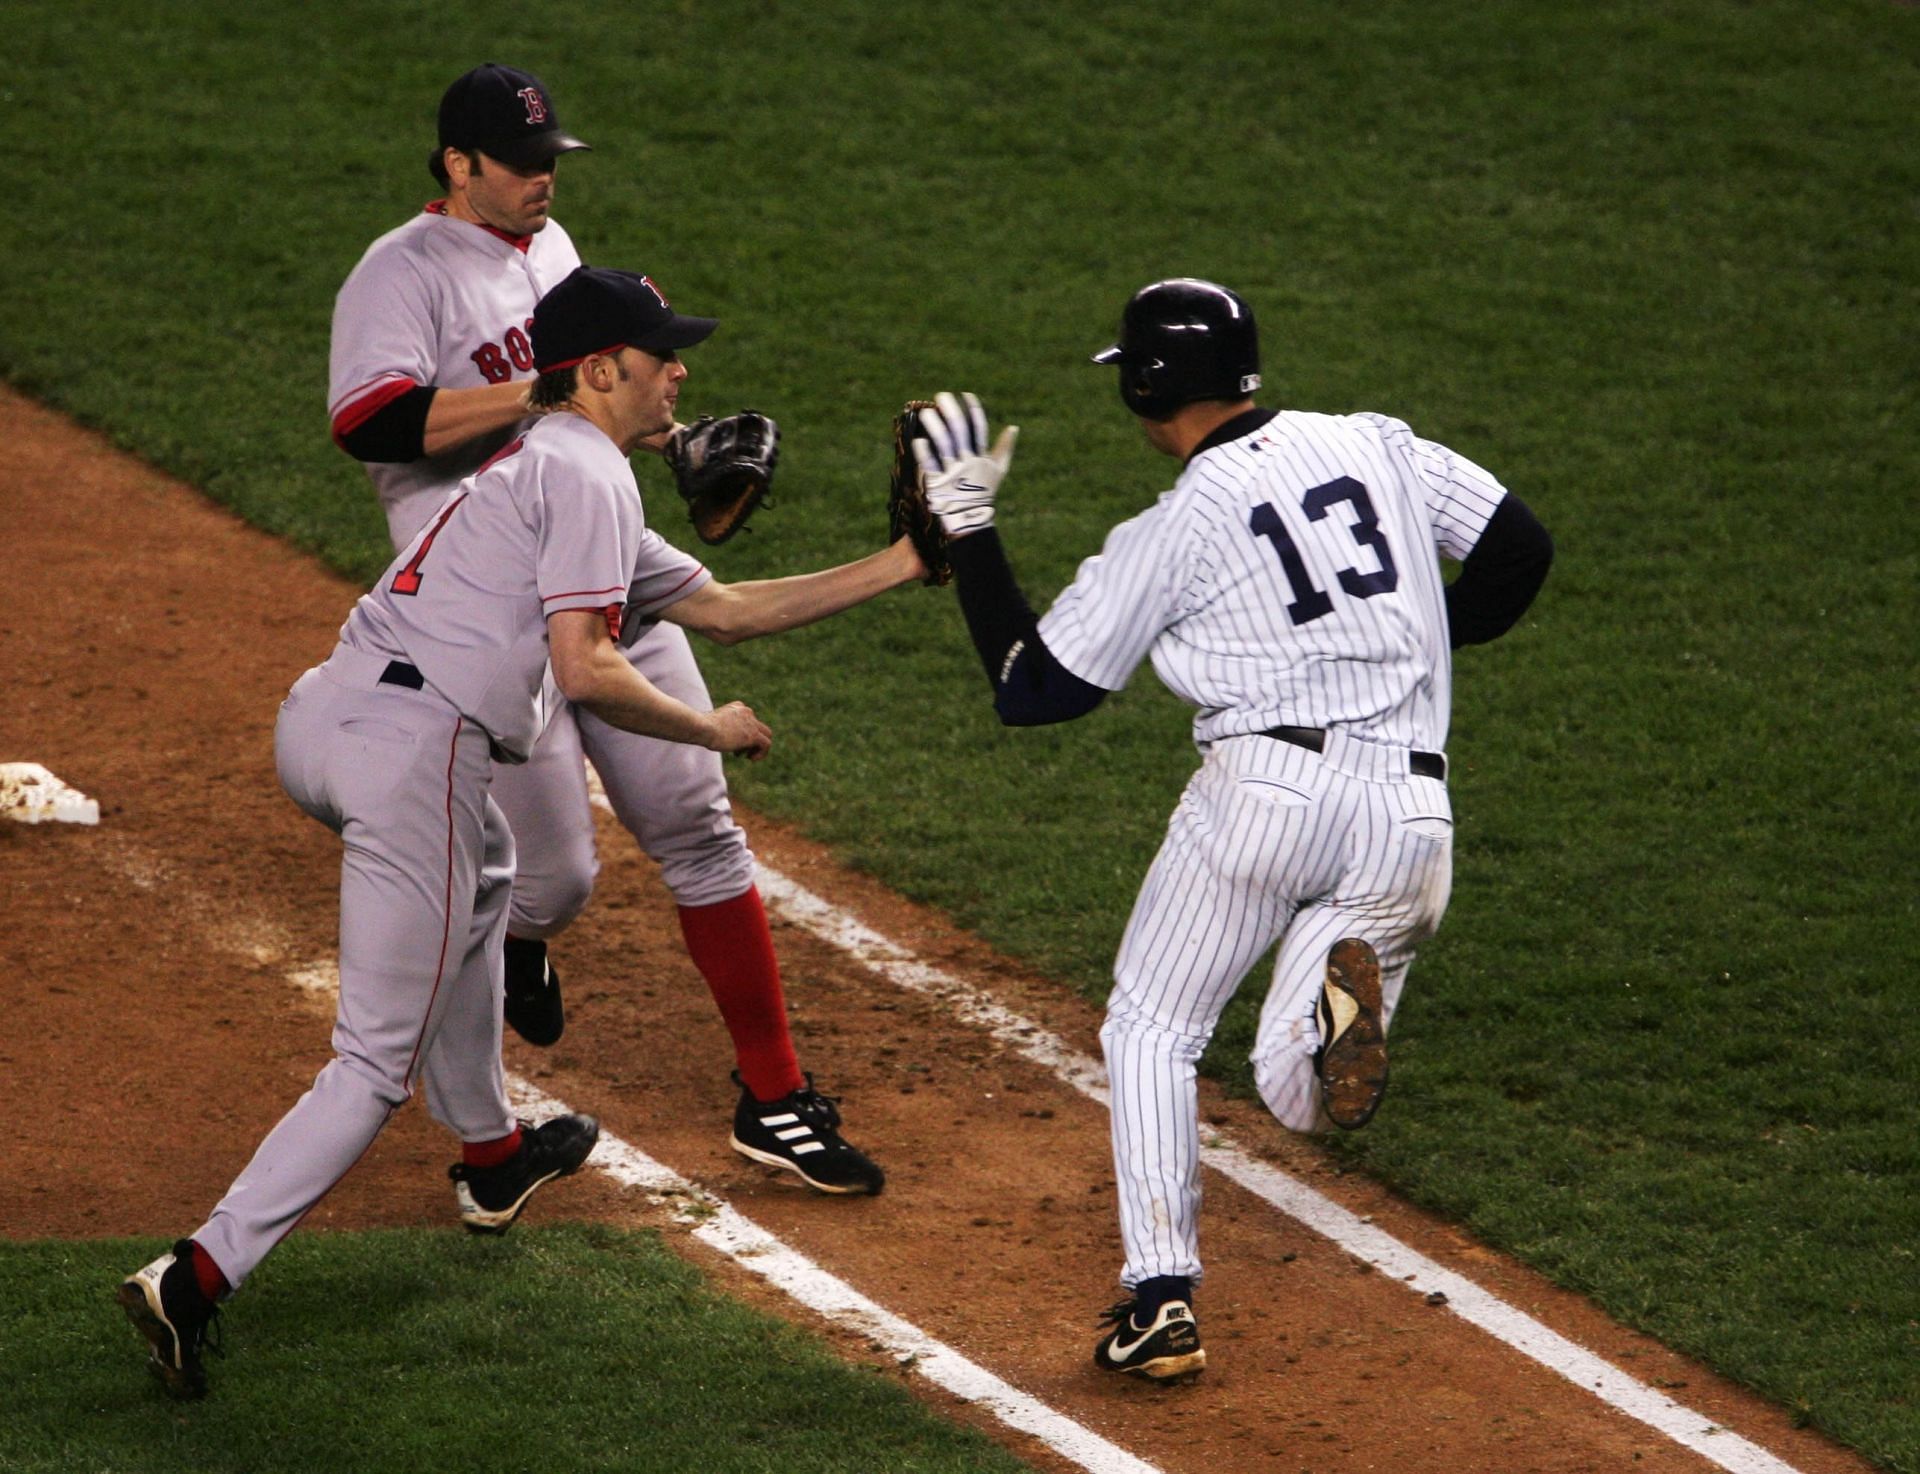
<point x="430" y="367"/>
<point x="1289" y="588"/>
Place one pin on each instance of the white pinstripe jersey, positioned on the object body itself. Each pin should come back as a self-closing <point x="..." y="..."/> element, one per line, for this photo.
<point x="1291" y="577"/>
<point x="445" y="302"/>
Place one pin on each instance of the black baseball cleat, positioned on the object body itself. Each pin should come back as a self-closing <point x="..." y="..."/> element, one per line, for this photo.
<point x="1166" y="1347"/>
<point x="533" y="1008"/>
<point x="166" y="1305"/>
<point x="1352" y="1059"/>
<point x="491" y="1198"/>
<point x="799" y="1132"/>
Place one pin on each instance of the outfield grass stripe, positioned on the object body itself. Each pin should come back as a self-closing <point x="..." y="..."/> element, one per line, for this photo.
<point x="1417" y="1273"/>
<point x="724" y="1228"/>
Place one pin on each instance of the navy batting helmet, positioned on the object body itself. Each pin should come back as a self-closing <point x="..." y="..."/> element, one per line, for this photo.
<point x="1182" y="340"/>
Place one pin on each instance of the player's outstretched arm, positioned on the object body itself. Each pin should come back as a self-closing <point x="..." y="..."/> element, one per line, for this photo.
<point x="728" y="613"/>
<point x="592" y="673"/>
<point x="961" y="476"/>
<point x="1030" y="687"/>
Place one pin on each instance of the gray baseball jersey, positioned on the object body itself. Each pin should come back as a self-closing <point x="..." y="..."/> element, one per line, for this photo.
<point x="1290" y="578"/>
<point x="391" y="743"/>
<point x="552" y="522"/>
<point x="444" y="302"/>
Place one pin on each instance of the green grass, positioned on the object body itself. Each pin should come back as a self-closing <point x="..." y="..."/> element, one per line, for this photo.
<point x="1653" y="265"/>
<point x="569" y="1348"/>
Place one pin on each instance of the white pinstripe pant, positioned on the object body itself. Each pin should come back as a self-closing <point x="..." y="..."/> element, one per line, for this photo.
<point x="1269" y="842"/>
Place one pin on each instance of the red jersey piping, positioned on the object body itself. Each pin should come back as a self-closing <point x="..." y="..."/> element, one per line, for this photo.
<point x="582" y="594"/>
<point x="667" y="597"/>
<point x="356" y="412"/>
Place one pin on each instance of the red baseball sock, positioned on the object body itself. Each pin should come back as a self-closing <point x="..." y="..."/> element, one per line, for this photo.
<point x="213" y="1284"/>
<point x="733" y="949"/>
<point x="490" y="1153"/>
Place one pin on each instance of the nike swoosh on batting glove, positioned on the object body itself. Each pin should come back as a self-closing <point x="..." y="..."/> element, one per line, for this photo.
<point x="960" y="474"/>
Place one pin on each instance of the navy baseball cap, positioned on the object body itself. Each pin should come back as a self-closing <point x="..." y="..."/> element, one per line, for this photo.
<point x="504" y="113"/>
<point x="594" y="310"/>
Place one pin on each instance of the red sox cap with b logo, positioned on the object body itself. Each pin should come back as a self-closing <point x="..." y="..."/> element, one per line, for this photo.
<point x="504" y="113"/>
<point x="594" y="310"/>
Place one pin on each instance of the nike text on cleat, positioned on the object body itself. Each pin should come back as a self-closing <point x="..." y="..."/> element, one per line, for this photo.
<point x="800" y="1134"/>
<point x="490" y="1198"/>
<point x="165" y="1303"/>
<point x="1352" y="1060"/>
<point x="1166" y="1347"/>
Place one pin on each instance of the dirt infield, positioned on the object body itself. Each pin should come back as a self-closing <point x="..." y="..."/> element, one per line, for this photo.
<point x="145" y="641"/>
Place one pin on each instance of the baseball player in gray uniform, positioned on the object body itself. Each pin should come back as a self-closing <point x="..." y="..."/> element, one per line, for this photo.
<point x="429" y="374"/>
<point x="1289" y="588"/>
<point x="438" y="682"/>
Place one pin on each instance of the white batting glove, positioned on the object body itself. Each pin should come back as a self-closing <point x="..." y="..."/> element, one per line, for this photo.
<point x="960" y="474"/>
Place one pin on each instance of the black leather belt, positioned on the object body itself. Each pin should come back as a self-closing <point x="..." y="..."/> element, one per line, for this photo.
<point x="399" y="673"/>
<point x="1314" y="739"/>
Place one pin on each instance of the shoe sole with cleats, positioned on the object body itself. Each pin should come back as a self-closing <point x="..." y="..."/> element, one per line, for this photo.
<point x="1353" y="1058"/>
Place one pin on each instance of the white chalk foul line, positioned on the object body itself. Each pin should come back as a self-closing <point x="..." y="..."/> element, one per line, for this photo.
<point x="1415" y="1271"/>
<point x="732" y="1233"/>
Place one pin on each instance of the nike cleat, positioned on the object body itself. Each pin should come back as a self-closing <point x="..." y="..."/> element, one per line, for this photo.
<point x="1166" y="1348"/>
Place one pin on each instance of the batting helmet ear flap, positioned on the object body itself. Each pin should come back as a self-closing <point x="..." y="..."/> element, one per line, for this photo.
<point x="1180" y="340"/>
<point x="1141" y="376"/>
<point x="1142" y="388"/>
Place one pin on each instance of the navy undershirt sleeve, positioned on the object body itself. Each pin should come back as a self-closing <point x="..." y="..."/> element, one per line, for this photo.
<point x="397" y="431"/>
<point x="1030" y="687"/>
<point x="1039" y="690"/>
<point x="1499" y="578"/>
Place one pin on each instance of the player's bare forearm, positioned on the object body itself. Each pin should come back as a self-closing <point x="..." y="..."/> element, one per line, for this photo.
<point x="593" y="674"/>
<point x="730" y="613"/>
<point x="621" y="697"/>
<point x="459" y="415"/>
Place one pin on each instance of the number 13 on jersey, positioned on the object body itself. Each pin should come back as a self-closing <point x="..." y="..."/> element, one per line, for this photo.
<point x="1310" y="602"/>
